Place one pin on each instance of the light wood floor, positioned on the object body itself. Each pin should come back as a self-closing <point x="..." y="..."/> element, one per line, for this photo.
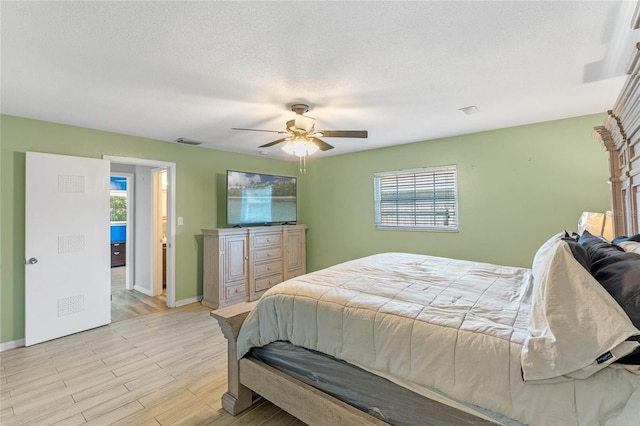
<point x="127" y="304"/>
<point x="163" y="368"/>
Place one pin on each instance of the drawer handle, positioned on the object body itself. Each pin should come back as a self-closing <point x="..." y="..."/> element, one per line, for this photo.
<point x="116" y="244"/>
<point x="116" y="253"/>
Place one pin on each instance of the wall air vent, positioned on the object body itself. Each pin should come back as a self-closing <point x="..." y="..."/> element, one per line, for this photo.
<point x="187" y="141"/>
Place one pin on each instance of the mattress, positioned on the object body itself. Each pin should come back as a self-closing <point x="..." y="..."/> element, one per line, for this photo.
<point x="452" y="325"/>
<point x="375" y="395"/>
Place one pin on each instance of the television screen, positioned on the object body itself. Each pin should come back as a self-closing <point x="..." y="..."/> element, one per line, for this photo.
<point x="260" y="199"/>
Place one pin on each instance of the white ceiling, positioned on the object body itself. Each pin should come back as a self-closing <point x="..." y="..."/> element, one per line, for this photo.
<point x="400" y="70"/>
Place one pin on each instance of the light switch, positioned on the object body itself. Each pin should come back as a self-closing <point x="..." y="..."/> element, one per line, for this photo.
<point x="180" y="221"/>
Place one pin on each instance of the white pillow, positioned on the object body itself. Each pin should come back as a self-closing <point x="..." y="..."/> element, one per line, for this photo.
<point x="576" y="327"/>
<point x="540" y="259"/>
<point x="630" y="246"/>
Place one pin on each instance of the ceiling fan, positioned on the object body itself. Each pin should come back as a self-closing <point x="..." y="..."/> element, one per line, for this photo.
<point x="302" y="139"/>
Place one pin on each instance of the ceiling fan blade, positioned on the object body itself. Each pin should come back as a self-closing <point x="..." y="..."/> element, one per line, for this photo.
<point x="322" y="145"/>
<point x="344" y="133"/>
<point x="258" y="130"/>
<point x="267" y="145"/>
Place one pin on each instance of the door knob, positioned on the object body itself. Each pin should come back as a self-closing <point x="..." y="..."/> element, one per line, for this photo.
<point x="32" y="261"/>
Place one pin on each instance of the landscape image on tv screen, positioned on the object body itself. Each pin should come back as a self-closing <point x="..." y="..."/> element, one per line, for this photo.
<point x="254" y="198"/>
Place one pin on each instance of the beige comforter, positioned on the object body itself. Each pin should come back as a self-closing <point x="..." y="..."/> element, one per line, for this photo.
<point x="451" y="325"/>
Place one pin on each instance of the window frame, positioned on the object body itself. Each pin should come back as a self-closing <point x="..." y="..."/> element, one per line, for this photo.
<point x="434" y="172"/>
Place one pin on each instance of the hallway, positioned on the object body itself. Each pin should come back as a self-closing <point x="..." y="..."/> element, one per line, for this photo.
<point x="127" y="304"/>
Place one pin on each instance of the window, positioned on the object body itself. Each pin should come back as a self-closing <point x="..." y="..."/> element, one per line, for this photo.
<point x="421" y="199"/>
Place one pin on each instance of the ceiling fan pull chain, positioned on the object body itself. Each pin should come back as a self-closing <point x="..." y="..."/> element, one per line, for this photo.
<point x="303" y="164"/>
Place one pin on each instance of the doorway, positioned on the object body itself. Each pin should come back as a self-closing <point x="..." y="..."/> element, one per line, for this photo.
<point x="159" y="231"/>
<point x="153" y="228"/>
<point x="126" y="301"/>
<point x="121" y="226"/>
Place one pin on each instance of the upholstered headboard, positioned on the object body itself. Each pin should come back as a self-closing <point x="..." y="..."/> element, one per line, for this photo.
<point x="620" y="137"/>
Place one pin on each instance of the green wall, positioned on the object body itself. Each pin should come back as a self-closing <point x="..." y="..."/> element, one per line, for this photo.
<point x="517" y="186"/>
<point x="201" y="176"/>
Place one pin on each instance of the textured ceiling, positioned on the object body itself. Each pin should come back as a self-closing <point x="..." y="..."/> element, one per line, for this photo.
<point x="400" y="70"/>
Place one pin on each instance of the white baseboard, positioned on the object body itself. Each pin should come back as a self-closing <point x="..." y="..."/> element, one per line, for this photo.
<point x="143" y="290"/>
<point x="188" y="301"/>
<point x="11" y="345"/>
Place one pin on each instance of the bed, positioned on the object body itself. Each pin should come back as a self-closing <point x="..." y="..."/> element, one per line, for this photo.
<point x="478" y="343"/>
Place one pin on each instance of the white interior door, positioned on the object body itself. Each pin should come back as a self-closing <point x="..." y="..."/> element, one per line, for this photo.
<point x="67" y="269"/>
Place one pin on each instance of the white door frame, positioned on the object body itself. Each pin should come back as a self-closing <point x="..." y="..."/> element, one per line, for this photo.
<point x="171" y="215"/>
<point x="129" y="260"/>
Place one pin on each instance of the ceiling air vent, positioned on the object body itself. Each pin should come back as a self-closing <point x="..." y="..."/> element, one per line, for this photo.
<point x="470" y="110"/>
<point x="187" y="141"/>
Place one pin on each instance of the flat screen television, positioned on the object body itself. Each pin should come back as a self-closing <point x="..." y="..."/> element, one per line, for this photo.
<point x="260" y="199"/>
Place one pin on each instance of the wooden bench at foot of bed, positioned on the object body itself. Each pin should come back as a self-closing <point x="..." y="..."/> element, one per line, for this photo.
<point x="250" y="379"/>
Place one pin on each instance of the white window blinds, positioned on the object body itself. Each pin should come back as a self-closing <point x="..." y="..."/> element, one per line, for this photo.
<point x="425" y="199"/>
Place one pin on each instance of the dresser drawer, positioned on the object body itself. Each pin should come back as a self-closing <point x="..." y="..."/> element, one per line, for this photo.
<point x="267" y="282"/>
<point x="267" y="254"/>
<point x="269" y="268"/>
<point x="266" y="240"/>
<point x="236" y="291"/>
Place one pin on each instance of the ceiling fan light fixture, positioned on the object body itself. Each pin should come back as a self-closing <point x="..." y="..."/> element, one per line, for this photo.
<point x="289" y="147"/>
<point x="300" y="147"/>
<point x="311" y="147"/>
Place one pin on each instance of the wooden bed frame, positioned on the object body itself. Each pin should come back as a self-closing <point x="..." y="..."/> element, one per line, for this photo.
<point x="250" y="379"/>
<point x="620" y="137"/>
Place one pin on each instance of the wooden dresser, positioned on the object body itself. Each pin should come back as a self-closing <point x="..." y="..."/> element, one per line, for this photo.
<point x="240" y="264"/>
<point x="118" y="254"/>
